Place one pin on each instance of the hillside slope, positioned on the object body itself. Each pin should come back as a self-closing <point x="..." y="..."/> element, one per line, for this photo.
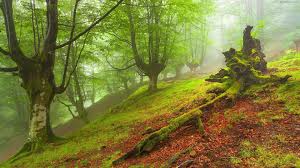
<point x="262" y="129"/>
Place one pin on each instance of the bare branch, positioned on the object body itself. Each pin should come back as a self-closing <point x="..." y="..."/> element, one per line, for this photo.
<point x="91" y="26"/>
<point x="4" y="52"/>
<point x="62" y="88"/>
<point x="32" y="6"/>
<point x="68" y="106"/>
<point x="119" y="38"/>
<point x="70" y="45"/>
<point x="13" y="69"/>
<point x="119" y="69"/>
<point x="14" y="49"/>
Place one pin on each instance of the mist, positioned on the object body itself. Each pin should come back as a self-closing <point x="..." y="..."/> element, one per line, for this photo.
<point x="81" y="64"/>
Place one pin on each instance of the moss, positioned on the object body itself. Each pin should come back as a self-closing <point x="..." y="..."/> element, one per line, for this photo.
<point x="235" y="160"/>
<point x="147" y="144"/>
<point x="107" y="162"/>
<point x="259" y="156"/>
<point x="290" y="94"/>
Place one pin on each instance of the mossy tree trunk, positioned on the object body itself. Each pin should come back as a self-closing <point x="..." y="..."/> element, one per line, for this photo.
<point x="245" y="68"/>
<point x="37" y="70"/>
<point x="38" y="81"/>
<point x="153" y="82"/>
<point x="157" y="52"/>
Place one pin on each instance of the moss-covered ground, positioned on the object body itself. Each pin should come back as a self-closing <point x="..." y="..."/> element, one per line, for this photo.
<point x="116" y="126"/>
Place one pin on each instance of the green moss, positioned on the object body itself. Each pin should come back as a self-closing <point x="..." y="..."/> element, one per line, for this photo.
<point x="115" y="125"/>
<point x="235" y="160"/>
<point x="234" y="117"/>
<point x="107" y="162"/>
<point x="290" y="94"/>
<point x="258" y="156"/>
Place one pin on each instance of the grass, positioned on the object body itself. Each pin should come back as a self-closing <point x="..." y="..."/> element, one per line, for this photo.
<point x="259" y="156"/>
<point x="116" y="124"/>
<point x="290" y="91"/>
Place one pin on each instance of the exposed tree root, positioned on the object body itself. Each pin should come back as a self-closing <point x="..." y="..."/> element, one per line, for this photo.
<point x="174" y="158"/>
<point x="244" y="68"/>
<point x="34" y="146"/>
<point x="148" y="144"/>
<point x="153" y="139"/>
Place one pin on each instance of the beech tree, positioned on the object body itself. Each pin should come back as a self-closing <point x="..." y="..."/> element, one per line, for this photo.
<point x="37" y="71"/>
<point x="153" y="29"/>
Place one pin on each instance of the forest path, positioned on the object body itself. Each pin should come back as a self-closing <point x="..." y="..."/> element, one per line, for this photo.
<point x="64" y="130"/>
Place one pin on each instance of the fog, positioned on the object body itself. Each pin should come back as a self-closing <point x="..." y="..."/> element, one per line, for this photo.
<point x="276" y="24"/>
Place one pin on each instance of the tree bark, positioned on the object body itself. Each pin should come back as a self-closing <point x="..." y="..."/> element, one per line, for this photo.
<point x="80" y="101"/>
<point x="38" y="82"/>
<point x="153" y="78"/>
<point x="297" y="44"/>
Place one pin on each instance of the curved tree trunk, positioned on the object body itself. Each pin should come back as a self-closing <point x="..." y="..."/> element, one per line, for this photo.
<point x="38" y="82"/>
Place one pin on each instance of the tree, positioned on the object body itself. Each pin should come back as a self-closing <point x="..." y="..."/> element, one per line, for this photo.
<point x="153" y="39"/>
<point x="37" y="71"/>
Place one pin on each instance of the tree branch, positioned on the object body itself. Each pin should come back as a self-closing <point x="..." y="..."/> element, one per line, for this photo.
<point x="14" y="49"/>
<point x="13" y="69"/>
<point x="119" y="69"/>
<point x="91" y="26"/>
<point x="68" y="106"/>
<point x="4" y="52"/>
<point x="52" y="31"/>
<point x="70" y="45"/>
<point x="62" y="88"/>
<point x="119" y="38"/>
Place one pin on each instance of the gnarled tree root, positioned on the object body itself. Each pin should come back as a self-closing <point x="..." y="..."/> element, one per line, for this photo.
<point x="148" y="144"/>
<point x="34" y="146"/>
<point x="153" y="139"/>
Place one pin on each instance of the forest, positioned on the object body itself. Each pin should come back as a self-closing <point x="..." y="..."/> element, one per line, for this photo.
<point x="150" y="83"/>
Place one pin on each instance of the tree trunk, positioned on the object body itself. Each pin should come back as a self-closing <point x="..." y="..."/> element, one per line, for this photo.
<point x="178" y="72"/>
<point x="297" y="44"/>
<point x="40" y="131"/>
<point x="153" y="82"/>
<point x="80" y="102"/>
<point x="38" y="82"/>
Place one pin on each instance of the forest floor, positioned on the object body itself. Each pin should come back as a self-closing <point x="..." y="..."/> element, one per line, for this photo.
<point x="262" y="129"/>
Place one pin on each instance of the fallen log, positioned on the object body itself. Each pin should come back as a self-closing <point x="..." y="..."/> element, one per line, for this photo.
<point x="244" y="68"/>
